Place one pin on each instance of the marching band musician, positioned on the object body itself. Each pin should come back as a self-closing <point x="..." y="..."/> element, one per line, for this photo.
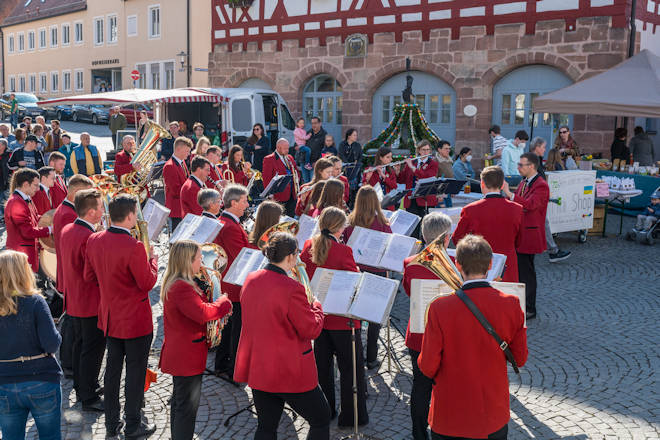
<point x="332" y="195"/>
<point x="427" y="167"/>
<point x="81" y="299"/>
<point x="58" y="161"/>
<point x="496" y="219"/>
<point x="125" y="276"/>
<point x="385" y="176"/>
<point x="268" y="215"/>
<point x="210" y="201"/>
<point x="434" y="225"/>
<point x="175" y="173"/>
<point x="315" y="196"/>
<point x="232" y="238"/>
<point x="200" y="168"/>
<point x="337" y="173"/>
<point x="123" y="158"/>
<point x="368" y="214"/>
<point x="184" y="350"/>
<point x="325" y="250"/>
<point x="275" y="354"/>
<point x="235" y="164"/>
<point x="470" y="397"/>
<point x="322" y="171"/>
<point x="281" y="163"/>
<point x="43" y="198"/>
<point x="21" y="217"/>
<point x="214" y="155"/>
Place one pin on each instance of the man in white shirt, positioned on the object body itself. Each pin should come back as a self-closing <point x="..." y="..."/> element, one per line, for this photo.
<point x="499" y="142"/>
<point x="512" y="152"/>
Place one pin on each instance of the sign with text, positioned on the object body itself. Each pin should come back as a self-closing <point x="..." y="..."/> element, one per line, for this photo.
<point x="571" y="206"/>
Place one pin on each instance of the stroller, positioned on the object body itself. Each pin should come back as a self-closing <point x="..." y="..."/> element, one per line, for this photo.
<point x="650" y="235"/>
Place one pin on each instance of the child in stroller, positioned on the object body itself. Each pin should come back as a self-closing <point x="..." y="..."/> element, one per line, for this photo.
<point x="646" y="227"/>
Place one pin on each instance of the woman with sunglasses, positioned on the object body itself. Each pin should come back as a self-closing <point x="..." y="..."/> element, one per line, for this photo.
<point x="257" y="146"/>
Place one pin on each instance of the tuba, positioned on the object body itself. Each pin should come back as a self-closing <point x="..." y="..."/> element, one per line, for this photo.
<point x="214" y="261"/>
<point x="145" y="156"/>
<point x="299" y="272"/>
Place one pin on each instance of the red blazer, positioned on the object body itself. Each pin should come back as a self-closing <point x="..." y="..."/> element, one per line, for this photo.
<point x="376" y="226"/>
<point x="498" y="221"/>
<point x="409" y="177"/>
<point x="21" y="221"/>
<point x="534" y="201"/>
<point x="302" y="199"/>
<point x="340" y="257"/>
<point x="188" y="197"/>
<point x="239" y="176"/>
<point x="81" y="298"/>
<point x="215" y="176"/>
<point x="232" y="238"/>
<point x="42" y="202"/>
<point x="185" y="315"/>
<point x="375" y="179"/>
<point x="347" y="188"/>
<point x="122" y="164"/>
<point x="278" y="327"/>
<point x="64" y="215"/>
<point x="174" y="176"/>
<point x="471" y="392"/>
<point x="273" y="165"/>
<point x="414" y="272"/>
<point x="125" y="277"/>
<point x="59" y="191"/>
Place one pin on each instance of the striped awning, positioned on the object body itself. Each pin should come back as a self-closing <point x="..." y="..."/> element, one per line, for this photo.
<point x="137" y="96"/>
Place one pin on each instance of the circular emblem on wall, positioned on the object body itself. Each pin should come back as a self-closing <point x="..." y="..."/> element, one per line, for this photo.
<point x="470" y="110"/>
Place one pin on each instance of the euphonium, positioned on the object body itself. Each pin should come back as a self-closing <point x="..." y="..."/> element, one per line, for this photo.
<point x="214" y="261"/>
<point x="299" y="272"/>
<point x="145" y="156"/>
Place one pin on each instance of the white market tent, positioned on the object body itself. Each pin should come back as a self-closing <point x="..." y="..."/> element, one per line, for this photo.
<point x="138" y="96"/>
<point x="631" y="88"/>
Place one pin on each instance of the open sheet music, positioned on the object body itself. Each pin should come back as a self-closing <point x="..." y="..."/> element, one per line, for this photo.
<point x="516" y="289"/>
<point x="247" y="261"/>
<point x="379" y="192"/>
<point x="498" y="262"/>
<point x="422" y="293"/>
<point x="380" y="249"/>
<point x="197" y="228"/>
<point x="453" y="213"/>
<point x="356" y="295"/>
<point x="156" y="216"/>
<point x="403" y="222"/>
<point x="307" y="227"/>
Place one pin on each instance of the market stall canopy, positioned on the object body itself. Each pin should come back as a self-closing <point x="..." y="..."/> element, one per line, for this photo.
<point x="631" y="88"/>
<point x="138" y="96"/>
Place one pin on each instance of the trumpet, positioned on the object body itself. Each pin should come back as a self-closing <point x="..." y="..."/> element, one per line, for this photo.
<point x="228" y="175"/>
<point x="398" y="162"/>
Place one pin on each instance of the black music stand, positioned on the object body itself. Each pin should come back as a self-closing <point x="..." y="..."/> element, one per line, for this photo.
<point x="351" y="170"/>
<point x="393" y="198"/>
<point x="437" y="187"/>
<point x="277" y="185"/>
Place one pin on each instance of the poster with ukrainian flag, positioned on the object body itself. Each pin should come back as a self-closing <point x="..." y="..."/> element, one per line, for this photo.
<point x="571" y="206"/>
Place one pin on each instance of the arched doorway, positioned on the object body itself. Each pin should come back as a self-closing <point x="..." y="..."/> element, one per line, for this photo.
<point x="513" y="97"/>
<point x="255" y="83"/>
<point x="322" y="97"/>
<point x="436" y="98"/>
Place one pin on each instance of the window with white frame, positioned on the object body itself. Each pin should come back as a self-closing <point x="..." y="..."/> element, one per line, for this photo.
<point x="31" y="40"/>
<point x="42" y="38"/>
<point x="21" y="42"/>
<point x="169" y="75"/>
<point x="21" y="83"/>
<point x="142" y="82"/>
<point x="66" y="81"/>
<point x="112" y="29"/>
<point x="33" y="83"/>
<point x="43" y="82"/>
<point x="54" y="82"/>
<point x="12" y="83"/>
<point x="154" y="71"/>
<point x="10" y="43"/>
<point x="131" y="26"/>
<point x="66" y="34"/>
<point x="78" y="32"/>
<point x="53" y="36"/>
<point x="98" y="31"/>
<point x="154" y="21"/>
<point x="79" y="79"/>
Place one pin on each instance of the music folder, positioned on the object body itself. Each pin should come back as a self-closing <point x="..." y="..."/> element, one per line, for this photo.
<point x="277" y="185"/>
<point x="247" y="261"/>
<point x="380" y="249"/>
<point x="156" y="216"/>
<point x="498" y="264"/>
<point x="403" y="222"/>
<point x="432" y="186"/>
<point x="197" y="228"/>
<point x="357" y="295"/>
<point x="393" y="198"/>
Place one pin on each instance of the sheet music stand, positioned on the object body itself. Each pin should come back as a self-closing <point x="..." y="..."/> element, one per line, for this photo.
<point x="277" y="185"/>
<point x="393" y="198"/>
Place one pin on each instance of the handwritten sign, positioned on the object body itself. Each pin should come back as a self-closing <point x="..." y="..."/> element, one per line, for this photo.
<point x="571" y="206"/>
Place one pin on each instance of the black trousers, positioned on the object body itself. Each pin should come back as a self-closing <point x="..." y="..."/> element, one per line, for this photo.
<point x="66" y="348"/>
<point x="225" y="355"/>
<point x="500" y="434"/>
<point x="88" y="349"/>
<point x="175" y="222"/>
<point x="414" y="208"/>
<point x="373" y="330"/>
<point x="184" y="404"/>
<point x="527" y="275"/>
<point x="290" y="206"/>
<point x="311" y="405"/>
<point x="420" y="399"/>
<point x="338" y="343"/>
<point x="136" y="353"/>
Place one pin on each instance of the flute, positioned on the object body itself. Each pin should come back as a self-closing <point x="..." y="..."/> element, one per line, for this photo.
<point x="399" y="162"/>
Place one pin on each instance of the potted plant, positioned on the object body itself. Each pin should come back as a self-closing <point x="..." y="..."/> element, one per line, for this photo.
<point x="239" y="3"/>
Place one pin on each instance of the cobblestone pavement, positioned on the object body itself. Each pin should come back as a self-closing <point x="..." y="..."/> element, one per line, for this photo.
<point x="592" y="370"/>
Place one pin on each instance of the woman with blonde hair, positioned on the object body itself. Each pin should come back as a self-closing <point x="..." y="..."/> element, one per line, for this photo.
<point x="554" y="161"/>
<point x="332" y="195"/>
<point x="29" y="373"/>
<point x="325" y="250"/>
<point x="185" y="314"/>
<point x="268" y="215"/>
<point x="203" y="144"/>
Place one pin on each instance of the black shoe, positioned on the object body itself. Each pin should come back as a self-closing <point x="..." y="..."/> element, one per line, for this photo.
<point x="530" y="315"/>
<point x="373" y="364"/>
<point x="95" y="406"/>
<point x="559" y="256"/>
<point x="114" y="432"/>
<point x="144" y="430"/>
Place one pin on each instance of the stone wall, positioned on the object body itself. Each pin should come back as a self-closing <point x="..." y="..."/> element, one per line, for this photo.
<point x="472" y="65"/>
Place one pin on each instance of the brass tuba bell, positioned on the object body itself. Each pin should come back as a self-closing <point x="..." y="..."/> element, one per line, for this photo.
<point x="214" y="262"/>
<point x="145" y="156"/>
